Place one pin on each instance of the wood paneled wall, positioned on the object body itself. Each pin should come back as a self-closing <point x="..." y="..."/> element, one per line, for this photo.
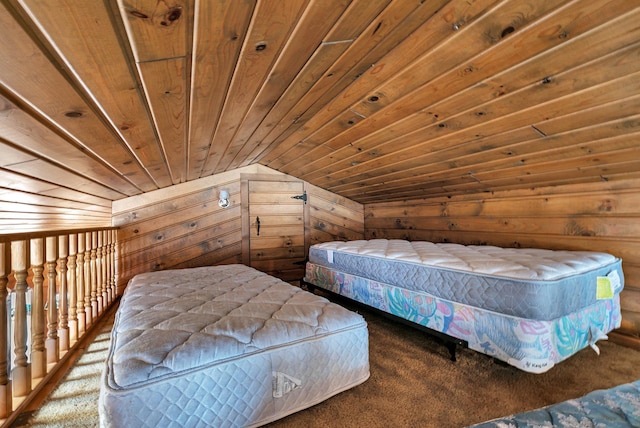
<point x="183" y="226"/>
<point x="597" y="217"/>
<point x="179" y="226"/>
<point x="332" y="217"/>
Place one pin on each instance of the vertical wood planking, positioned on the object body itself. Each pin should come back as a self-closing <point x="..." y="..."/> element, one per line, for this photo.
<point x="165" y="86"/>
<point x="184" y="227"/>
<point x="265" y="39"/>
<point x="315" y="22"/>
<point x="157" y="29"/>
<point x="36" y="81"/>
<point x="83" y="36"/>
<point x="159" y="34"/>
<point x="215" y="52"/>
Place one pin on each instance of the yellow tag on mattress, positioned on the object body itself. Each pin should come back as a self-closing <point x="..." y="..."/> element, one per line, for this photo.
<point x="604" y="289"/>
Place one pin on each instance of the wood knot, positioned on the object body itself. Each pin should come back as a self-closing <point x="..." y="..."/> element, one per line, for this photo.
<point x="171" y="16"/>
<point x="507" y="31"/>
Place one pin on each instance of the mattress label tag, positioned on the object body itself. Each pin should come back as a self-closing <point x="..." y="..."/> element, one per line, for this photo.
<point x="604" y="290"/>
<point x="330" y="256"/>
<point x="284" y="384"/>
<point x="616" y="284"/>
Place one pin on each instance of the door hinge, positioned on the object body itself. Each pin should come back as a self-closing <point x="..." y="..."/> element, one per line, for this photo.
<point x="302" y="197"/>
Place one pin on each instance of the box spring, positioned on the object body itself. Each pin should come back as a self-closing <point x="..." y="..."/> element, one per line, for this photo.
<point x="531" y="308"/>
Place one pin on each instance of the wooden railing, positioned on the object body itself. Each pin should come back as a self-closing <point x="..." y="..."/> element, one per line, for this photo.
<point x="54" y="286"/>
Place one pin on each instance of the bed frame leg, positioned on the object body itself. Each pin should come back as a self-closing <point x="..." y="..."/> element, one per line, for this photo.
<point x="451" y="346"/>
<point x="307" y="286"/>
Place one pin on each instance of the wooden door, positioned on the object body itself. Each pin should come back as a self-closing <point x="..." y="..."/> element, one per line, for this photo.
<point x="276" y="228"/>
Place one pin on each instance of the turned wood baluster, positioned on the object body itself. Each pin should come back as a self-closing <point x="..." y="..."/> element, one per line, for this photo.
<point x="87" y="279"/>
<point x="51" y="342"/>
<point x="109" y="281"/>
<point x="116" y="264"/>
<point x="63" y="305"/>
<point x="38" y="355"/>
<point x="21" y="372"/>
<point x="99" y="269"/>
<point x="94" y="276"/>
<point x="82" y="316"/>
<point x="73" y="288"/>
<point x="105" y="268"/>
<point x="6" y="402"/>
<point x="114" y="291"/>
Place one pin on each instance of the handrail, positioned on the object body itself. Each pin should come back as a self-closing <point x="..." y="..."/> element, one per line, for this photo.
<point x="55" y="285"/>
<point x="17" y="236"/>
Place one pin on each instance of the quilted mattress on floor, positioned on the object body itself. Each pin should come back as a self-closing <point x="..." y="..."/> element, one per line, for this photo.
<point x="225" y="346"/>
<point x="617" y="407"/>
<point x="528" y="283"/>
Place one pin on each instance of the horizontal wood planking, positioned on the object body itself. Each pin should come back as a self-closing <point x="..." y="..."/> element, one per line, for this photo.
<point x="332" y="217"/>
<point x="180" y="226"/>
<point x="590" y="217"/>
<point x="27" y="212"/>
<point x="183" y="226"/>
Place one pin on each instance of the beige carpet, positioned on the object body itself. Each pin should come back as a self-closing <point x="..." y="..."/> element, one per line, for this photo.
<point x="413" y="383"/>
<point x="73" y="403"/>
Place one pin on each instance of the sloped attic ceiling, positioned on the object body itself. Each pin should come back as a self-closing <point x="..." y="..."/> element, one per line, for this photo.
<point x="371" y="99"/>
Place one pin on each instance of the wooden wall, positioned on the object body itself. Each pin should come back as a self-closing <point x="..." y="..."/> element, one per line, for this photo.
<point x="332" y="217"/>
<point x="179" y="226"/>
<point x="599" y="217"/>
<point x="183" y="226"/>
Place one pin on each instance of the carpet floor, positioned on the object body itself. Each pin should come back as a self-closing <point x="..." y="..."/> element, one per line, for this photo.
<point x="413" y="383"/>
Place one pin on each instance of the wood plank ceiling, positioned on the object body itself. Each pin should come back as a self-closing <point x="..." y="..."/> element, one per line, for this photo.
<point x="375" y="100"/>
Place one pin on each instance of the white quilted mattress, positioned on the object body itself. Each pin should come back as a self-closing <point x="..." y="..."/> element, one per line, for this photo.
<point x="225" y="346"/>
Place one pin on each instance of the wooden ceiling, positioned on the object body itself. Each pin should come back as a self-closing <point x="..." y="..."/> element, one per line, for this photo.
<point x="375" y="100"/>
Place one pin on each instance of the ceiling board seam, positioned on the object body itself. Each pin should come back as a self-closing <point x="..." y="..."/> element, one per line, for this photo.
<point x="494" y="100"/>
<point x="47" y="48"/>
<point x="536" y="23"/>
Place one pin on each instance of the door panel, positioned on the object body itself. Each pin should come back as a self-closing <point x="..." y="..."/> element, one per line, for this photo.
<point x="276" y="228"/>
